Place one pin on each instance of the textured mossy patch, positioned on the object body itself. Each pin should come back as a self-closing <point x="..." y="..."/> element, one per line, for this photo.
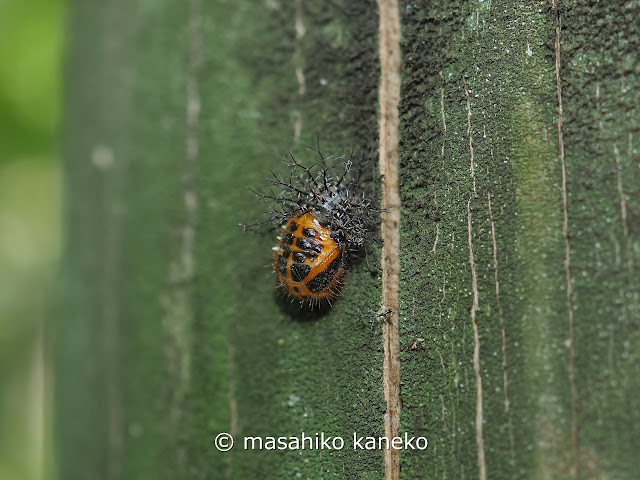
<point x="172" y="331"/>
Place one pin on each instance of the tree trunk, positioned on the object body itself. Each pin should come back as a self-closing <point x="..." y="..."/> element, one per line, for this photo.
<point x="519" y="301"/>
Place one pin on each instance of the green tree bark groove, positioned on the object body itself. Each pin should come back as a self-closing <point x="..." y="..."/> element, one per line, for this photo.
<point x="170" y="331"/>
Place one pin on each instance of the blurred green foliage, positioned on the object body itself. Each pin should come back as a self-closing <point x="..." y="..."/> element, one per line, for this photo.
<point x="30" y="76"/>
<point x="31" y="57"/>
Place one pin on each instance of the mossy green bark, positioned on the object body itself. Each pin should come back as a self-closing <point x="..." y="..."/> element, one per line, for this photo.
<point x="480" y="87"/>
<point x="170" y="331"/>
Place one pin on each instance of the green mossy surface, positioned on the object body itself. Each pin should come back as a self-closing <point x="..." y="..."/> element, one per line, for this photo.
<point x="601" y="74"/>
<point x="505" y="56"/>
<point x="155" y="359"/>
<point x="163" y="343"/>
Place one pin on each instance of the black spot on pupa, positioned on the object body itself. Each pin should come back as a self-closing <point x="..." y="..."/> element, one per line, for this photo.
<point x="299" y="271"/>
<point x="287" y="239"/>
<point x="282" y="265"/>
<point x="293" y="226"/>
<point x="309" y="245"/>
<point x="309" y="232"/>
<point x="298" y="257"/>
<point x="323" y="279"/>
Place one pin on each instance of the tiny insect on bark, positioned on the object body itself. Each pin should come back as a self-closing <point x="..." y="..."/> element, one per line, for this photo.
<point x="325" y="219"/>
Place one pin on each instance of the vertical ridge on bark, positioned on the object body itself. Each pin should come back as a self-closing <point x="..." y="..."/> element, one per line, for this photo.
<point x="389" y="160"/>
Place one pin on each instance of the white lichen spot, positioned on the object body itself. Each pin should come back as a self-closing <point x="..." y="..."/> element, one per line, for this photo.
<point x="293" y="400"/>
<point x="102" y="157"/>
<point x="529" y="51"/>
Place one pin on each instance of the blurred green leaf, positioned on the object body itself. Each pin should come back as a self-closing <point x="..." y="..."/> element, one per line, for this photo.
<point x="31" y="44"/>
<point x="30" y="75"/>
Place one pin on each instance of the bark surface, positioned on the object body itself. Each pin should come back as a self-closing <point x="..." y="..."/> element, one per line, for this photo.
<point x="519" y="294"/>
